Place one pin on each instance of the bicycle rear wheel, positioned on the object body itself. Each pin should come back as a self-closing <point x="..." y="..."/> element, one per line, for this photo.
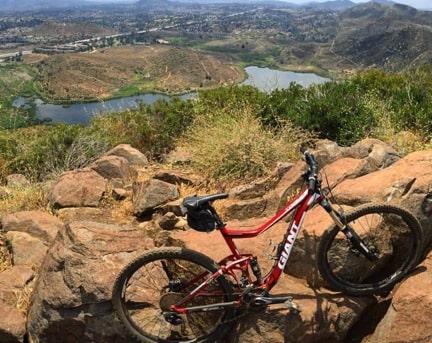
<point x="147" y="287"/>
<point x="393" y="233"/>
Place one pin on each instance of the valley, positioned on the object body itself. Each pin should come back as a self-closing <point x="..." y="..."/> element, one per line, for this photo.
<point x="93" y="51"/>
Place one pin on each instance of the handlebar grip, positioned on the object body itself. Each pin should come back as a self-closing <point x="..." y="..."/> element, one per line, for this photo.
<point x="312" y="183"/>
<point x="313" y="168"/>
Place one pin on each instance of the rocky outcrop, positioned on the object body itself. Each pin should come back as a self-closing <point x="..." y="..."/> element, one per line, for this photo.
<point x="71" y="298"/>
<point x="408" y="317"/>
<point x="82" y="246"/>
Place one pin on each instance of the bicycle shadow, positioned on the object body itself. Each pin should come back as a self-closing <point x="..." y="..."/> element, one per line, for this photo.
<point x="327" y="317"/>
<point x="321" y="320"/>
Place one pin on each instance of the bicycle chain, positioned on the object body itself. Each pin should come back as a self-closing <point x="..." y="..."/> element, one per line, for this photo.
<point x="246" y="309"/>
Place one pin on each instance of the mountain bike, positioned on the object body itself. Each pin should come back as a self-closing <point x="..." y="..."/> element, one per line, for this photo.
<point x="179" y="295"/>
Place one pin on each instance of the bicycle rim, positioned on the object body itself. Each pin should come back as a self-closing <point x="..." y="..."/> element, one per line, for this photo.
<point x="392" y="232"/>
<point x="147" y="288"/>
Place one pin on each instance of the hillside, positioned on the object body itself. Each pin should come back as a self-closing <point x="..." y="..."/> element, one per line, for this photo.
<point x="392" y="38"/>
<point x="369" y="35"/>
<point x="107" y="72"/>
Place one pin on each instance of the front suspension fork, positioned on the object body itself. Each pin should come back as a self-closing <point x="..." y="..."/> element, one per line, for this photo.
<point x="356" y="241"/>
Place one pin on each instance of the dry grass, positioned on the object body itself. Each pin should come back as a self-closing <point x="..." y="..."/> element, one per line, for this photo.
<point x="22" y="299"/>
<point x="233" y="146"/>
<point x="5" y="255"/>
<point x="104" y="73"/>
<point x="24" y="198"/>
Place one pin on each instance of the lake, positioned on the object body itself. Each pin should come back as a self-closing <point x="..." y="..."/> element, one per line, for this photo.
<point x="265" y="79"/>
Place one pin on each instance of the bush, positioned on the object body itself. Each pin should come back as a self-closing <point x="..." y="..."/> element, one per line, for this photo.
<point x="49" y="150"/>
<point x="149" y="128"/>
<point x="334" y="110"/>
<point x="233" y="145"/>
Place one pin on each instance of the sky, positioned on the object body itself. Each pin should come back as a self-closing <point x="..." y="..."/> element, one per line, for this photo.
<point x="421" y="4"/>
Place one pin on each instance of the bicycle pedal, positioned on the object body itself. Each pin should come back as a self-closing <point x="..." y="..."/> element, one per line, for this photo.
<point x="292" y="306"/>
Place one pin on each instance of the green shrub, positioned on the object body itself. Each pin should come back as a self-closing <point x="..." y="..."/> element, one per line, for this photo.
<point x="334" y="110"/>
<point x="149" y="128"/>
<point x="44" y="151"/>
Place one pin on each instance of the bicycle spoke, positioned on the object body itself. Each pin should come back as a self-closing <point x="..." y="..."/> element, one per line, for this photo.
<point x="392" y="234"/>
<point x="164" y="278"/>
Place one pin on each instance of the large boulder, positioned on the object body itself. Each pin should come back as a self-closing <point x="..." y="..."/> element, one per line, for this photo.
<point x="132" y="155"/>
<point x="79" y="188"/>
<point x="408" y="319"/>
<point x="38" y="224"/>
<point x="29" y="235"/>
<point x="72" y="294"/>
<point x="113" y="167"/>
<point x="406" y="182"/>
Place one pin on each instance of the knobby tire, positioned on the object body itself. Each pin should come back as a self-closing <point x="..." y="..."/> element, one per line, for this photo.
<point x="146" y="287"/>
<point x="392" y="231"/>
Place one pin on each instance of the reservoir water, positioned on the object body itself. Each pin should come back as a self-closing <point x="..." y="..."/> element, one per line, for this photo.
<point x="265" y="79"/>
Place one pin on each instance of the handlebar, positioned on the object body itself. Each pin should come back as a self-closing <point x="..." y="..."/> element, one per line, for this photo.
<point x="312" y="173"/>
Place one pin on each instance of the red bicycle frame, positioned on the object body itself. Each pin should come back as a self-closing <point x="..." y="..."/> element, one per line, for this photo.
<point x="301" y="203"/>
<point x="241" y="262"/>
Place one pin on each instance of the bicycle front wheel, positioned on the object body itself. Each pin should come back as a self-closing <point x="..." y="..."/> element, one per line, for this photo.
<point x="391" y="232"/>
<point x="146" y="288"/>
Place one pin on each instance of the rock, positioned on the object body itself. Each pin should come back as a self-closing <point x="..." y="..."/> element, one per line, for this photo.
<point x="406" y="182"/>
<point x="152" y="193"/>
<point x="113" y="167"/>
<point x="288" y="185"/>
<point x="12" y="283"/>
<point x="101" y="215"/>
<point x="408" y="317"/>
<point x="326" y="152"/>
<point x="347" y="168"/>
<point x="12" y="324"/>
<point x="174" y="206"/>
<point x="168" y="221"/>
<point x="252" y="190"/>
<point x="80" y="188"/>
<point x="177" y="178"/>
<point x="132" y="155"/>
<point x="26" y="249"/>
<point x="119" y="193"/>
<point x="38" y="224"/>
<point x="244" y="209"/>
<point x="375" y="151"/>
<point x="73" y="289"/>
<point x="178" y="156"/>
<point x="15" y="286"/>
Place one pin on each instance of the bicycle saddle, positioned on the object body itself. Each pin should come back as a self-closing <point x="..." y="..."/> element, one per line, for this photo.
<point x="197" y="201"/>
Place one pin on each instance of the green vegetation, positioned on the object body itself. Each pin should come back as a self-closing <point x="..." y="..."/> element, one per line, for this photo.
<point x="228" y="141"/>
<point x="238" y="133"/>
<point x="15" y="80"/>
